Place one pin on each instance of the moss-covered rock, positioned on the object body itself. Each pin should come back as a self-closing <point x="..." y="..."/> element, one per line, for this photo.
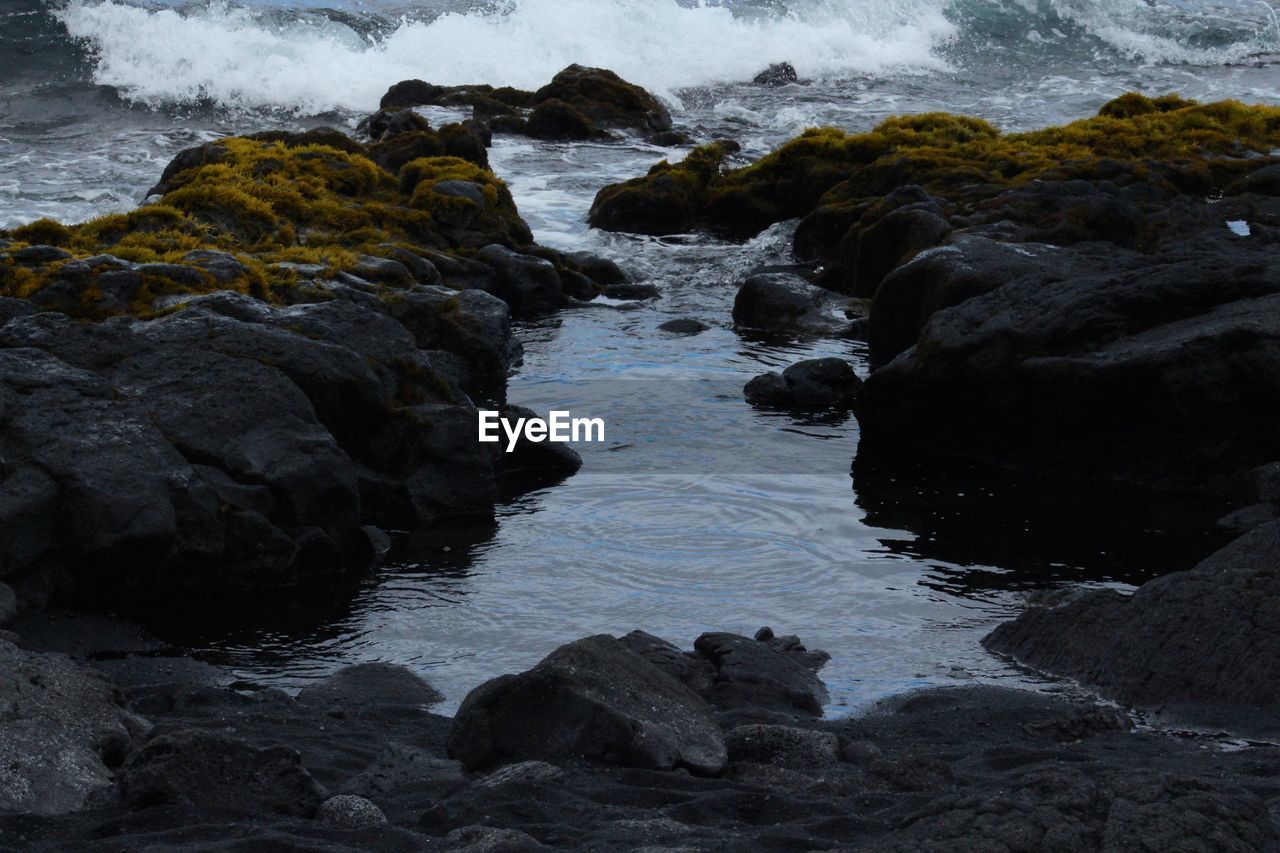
<point x="965" y="160"/>
<point x="606" y="99"/>
<point x="269" y="205"/>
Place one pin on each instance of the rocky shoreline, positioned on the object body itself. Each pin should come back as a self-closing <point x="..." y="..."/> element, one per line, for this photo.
<point x="256" y="379"/>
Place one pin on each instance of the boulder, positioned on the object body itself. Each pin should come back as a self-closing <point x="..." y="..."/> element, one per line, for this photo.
<point x="784" y="302"/>
<point x="819" y="383"/>
<point x="606" y="99"/>
<point x="553" y="119"/>
<point x="530" y="285"/>
<point x="770" y="672"/>
<point x="591" y="699"/>
<point x="777" y="74"/>
<point x="370" y="685"/>
<point x="215" y="772"/>
<point x="1160" y="372"/>
<point x="64" y="729"/>
<point x="347" y="811"/>
<point x="1203" y="643"/>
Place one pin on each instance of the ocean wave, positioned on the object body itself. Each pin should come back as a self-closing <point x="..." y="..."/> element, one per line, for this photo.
<point x="301" y="60"/>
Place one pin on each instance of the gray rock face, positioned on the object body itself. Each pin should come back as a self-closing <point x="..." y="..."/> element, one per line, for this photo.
<point x="1163" y="374"/>
<point x="784" y="302"/>
<point x="775" y="672"/>
<point x="212" y="771"/>
<point x="1201" y="643"/>
<point x="62" y="725"/>
<point x="589" y="699"/>
<point x="818" y="383"/>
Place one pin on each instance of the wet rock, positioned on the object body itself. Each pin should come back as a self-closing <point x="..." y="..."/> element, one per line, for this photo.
<point x="779" y="673"/>
<point x="628" y="290"/>
<point x="590" y="699"/>
<point x="211" y="771"/>
<point x="390" y="122"/>
<point x="1200" y="643"/>
<point x="385" y="271"/>
<point x="347" y="811"/>
<point x="1083" y="723"/>
<point x="1039" y="375"/>
<point x="597" y="268"/>
<point x="689" y="668"/>
<point x="371" y="685"/>
<point x="818" y="383"/>
<point x="684" y="326"/>
<point x="782" y="746"/>
<point x="530" y="285"/>
<point x="63" y="730"/>
<point x="891" y="232"/>
<point x="606" y="99"/>
<point x="777" y="74"/>
<point x="784" y="302"/>
<point x="553" y="119"/>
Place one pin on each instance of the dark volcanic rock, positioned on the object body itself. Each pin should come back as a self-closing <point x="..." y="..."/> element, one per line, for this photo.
<point x="778" y="672"/>
<point x="817" y="383"/>
<point x="777" y="74"/>
<point x="370" y="685"/>
<point x="784" y="302"/>
<point x="1163" y="373"/>
<point x="216" y="772"/>
<point x="1201" y="642"/>
<point x="62" y="728"/>
<point x="555" y="120"/>
<point x="684" y="326"/>
<point x="606" y="99"/>
<point x="783" y="746"/>
<point x="589" y="699"/>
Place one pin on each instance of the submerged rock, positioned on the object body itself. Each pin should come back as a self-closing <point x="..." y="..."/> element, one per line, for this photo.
<point x="590" y="699"/>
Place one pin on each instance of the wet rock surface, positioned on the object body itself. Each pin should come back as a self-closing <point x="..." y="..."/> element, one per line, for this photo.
<point x="1198" y="645"/>
<point x="965" y="768"/>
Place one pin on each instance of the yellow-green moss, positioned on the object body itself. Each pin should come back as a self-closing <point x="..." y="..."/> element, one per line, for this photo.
<point x="950" y="155"/>
<point x="268" y="202"/>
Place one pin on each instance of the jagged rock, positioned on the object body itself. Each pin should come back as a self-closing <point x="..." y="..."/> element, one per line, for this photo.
<point x="590" y="699"/>
<point x="778" y="673"/>
<point x="63" y="730"/>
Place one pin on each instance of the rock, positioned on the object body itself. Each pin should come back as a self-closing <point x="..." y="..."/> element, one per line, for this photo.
<point x="597" y="268"/>
<point x="778" y="674"/>
<point x="1037" y="375"/>
<point x="530" y="285"/>
<point x="782" y="746"/>
<point x="8" y="605"/>
<point x="589" y="699"/>
<point x="684" y="326"/>
<point x="347" y="811"/>
<point x="1246" y="519"/>
<point x="860" y="752"/>
<point x="488" y="839"/>
<point x="1085" y="722"/>
<point x="524" y="773"/>
<point x="530" y="462"/>
<point x="390" y="122"/>
<point x="370" y="685"/>
<point x="1200" y="643"/>
<point x="818" y="383"/>
<point x="400" y="767"/>
<point x="606" y="99"/>
<point x="784" y="302"/>
<point x="32" y="255"/>
<point x="777" y="74"/>
<point x="628" y="290"/>
<point x="891" y="232"/>
<point x="212" y="771"/>
<point x="63" y="731"/>
<point x="553" y="119"/>
<point x="384" y="271"/>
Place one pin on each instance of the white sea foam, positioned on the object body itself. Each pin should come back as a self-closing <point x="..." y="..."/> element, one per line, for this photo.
<point x="243" y="57"/>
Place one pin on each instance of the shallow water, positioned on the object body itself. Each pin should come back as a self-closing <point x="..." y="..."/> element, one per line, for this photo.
<point x="698" y="512"/>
